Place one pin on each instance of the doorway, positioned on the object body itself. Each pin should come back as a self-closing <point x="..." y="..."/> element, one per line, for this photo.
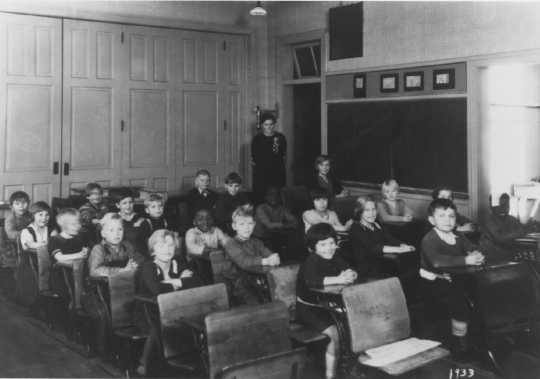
<point x="306" y="138"/>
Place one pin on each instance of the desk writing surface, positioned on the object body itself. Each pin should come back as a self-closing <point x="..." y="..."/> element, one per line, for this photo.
<point x="460" y="270"/>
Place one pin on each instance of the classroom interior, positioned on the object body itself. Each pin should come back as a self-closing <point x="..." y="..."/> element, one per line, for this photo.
<point x="145" y="98"/>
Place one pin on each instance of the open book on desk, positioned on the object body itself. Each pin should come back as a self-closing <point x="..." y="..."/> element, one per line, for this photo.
<point x="396" y="351"/>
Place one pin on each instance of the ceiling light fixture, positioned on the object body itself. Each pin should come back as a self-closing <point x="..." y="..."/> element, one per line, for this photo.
<point x="258" y="10"/>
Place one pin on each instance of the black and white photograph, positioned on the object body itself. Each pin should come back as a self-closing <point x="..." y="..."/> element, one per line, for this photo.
<point x="269" y="189"/>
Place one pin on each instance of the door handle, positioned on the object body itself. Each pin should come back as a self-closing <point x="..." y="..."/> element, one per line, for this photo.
<point x="56" y="168"/>
<point x="66" y="168"/>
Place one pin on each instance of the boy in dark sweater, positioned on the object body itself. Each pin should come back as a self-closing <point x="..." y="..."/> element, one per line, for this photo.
<point x="230" y="200"/>
<point x="201" y="197"/>
<point x="441" y="248"/>
<point x="243" y="251"/>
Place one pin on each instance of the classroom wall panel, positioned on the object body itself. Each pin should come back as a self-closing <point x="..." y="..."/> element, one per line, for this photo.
<point x="29" y="127"/>
<point x="104" y="42"/>
<point x="201" y="140"/>
<point x="91" y="137"/>
<point x="30" y="105"/>
<point x="149" y="128"/>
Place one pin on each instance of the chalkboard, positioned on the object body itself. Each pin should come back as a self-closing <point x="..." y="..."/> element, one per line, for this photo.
<point x="420" y="143"/>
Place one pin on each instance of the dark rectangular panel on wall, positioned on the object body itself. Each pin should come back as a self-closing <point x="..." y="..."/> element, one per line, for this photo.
<point x="420" y="143"/>
<point x="346" y="30"/>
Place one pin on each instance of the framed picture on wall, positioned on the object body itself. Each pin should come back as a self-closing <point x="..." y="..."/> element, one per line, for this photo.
<point x="444" y="78"/>
<point x="359" y="85"/>
<point x="389" y="82"/>
<point x="413" y="81"/>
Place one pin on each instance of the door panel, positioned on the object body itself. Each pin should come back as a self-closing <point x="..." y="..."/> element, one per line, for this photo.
<point x="93" y="104"/>
<point x="148" y="153"/>
<point x="30" y="96"/>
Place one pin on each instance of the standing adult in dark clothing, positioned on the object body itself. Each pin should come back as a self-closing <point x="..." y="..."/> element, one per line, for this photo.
<point x="268" y="152"/>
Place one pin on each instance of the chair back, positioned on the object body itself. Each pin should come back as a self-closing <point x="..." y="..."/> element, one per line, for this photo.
<point x="187" y="304"/>
<point x="297" y="199"/>
<point x="220" y="265"/>
<point x="508" y="297"/>
<point x="286" y="365"/>
<point x="246" y="333"/>
<point x="122" y="299"/>
<point x="377" y="313"/>
<point x="282" y="285"/>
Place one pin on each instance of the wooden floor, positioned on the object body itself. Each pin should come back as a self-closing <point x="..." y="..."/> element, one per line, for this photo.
<point x="28" y="349"/>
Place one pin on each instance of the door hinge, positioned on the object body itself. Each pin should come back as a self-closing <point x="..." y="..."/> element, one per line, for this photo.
<point x="122" y="125"/>
<point x="56" y="168"/>
<point x="225" y="125"/>
<point x="121" y="37"/>
<point x="224" y="45"/>
<point x="66" y="169"/>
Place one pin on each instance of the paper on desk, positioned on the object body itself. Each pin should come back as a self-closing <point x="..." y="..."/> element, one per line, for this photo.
<point x="396" y="351"/>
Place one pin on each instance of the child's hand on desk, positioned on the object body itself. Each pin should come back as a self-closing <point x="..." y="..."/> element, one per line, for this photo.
<point x="176" y="283"/>
<point x="131" y="265"/>
<point x="474" y="258"/>
<point x="406" y="248"/>
<point x="271" y="260"/>
<point x="407" y="218"/>
<point x="186" y="274"/>
<point x="348" y="224"/>
<point x="468" y="227"/>
<point x="84" y="252"/>
<point x="347" y="276"/>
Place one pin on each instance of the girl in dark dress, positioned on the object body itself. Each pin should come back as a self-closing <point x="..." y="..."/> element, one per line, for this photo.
<point x="268" y="152"/>
<point x="325" y="180"/>
<point x="165" y="273"/>
<point x="321" y="268"/>
<point x="371" y="242"/>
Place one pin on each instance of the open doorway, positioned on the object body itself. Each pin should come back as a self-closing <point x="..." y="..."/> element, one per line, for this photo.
<point x="306" y="130"/>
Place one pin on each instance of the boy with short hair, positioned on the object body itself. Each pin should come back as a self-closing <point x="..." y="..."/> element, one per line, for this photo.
<point x="114" y="253"/>
<point x="230" y="200"/>
<point x="244" y="251"/>
<point x="201" y="240"/>
<point x="441" y="248"/>
<point x="154" y="206"/>
<point x="277" y="227"/>
<point x="16" y="220"/>
<point x="201" y="197"/>
<point x="92" y="211"/>
<point x="68" y="247"/>
<point x="132" y="222"/>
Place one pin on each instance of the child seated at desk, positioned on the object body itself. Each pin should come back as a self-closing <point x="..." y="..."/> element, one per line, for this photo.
<point x="16" y="220"/>
<point x="500" y="231"/>
<point x="324" y="180"/>
<point x="276" y="226"/>
<point x="463" y="224"/>
<point x="36" y="235"/>
<point x="441" y="248"/>
<point x="371" y="242"/>
<point x="165" y="273"/>
<point x="204" y="237"/>
<point x="92" y="212"/>
<point x="132" y="222"/>
<point x="202" y="240"/>
<point x="244" y="251"/>
<point x="154" y="206"/>
<point x="391" y="208"/>
<point x="321" y="214"/>
<point x="321" y="268"/>
<point x="69" y="248"/>
<point x="113" y="254"/>
<point x="35" y="238"/>
<point x="230" y="200"/>
<point x="201" y="197"/>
